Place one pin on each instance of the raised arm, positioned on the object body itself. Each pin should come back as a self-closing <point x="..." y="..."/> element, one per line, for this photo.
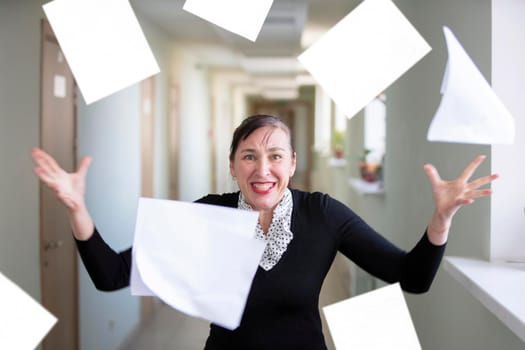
<point x="449" y="196"/>
<point x="69" y="188"/>
<point x="108" y="269"/>
<point x="416" y="269"/>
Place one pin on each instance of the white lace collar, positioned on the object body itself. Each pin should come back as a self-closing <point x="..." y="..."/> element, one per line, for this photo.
<point x="279" y="234"/>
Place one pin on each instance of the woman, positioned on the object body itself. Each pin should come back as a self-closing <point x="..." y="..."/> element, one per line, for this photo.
<point x="303" y="232"/>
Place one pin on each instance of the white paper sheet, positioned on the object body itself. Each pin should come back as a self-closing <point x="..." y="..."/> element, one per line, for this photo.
<point x="377" y="320"/>
<point x="242" y="17"/>
<point x="470" y="111"/>
<point x="198" y="258"/>
<point x="23" y="321"/>
<point x="103" y="44"/>
<point x="363" y="54"/>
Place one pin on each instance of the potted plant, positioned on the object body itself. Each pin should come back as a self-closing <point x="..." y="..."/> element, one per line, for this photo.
<point x="338" y="141"/>
<point x="368" y="171"/>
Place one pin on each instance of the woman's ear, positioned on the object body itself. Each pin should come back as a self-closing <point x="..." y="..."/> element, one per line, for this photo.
<point x="294" y="163"/>
<point x="232" y="170"/>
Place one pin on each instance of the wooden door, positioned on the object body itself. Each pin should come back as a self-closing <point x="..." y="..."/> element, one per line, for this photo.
<point x="173" y="140"/>
<point x="147" y="126"/>
<point x="58" y="259"/>
<point x="148" y="304"/>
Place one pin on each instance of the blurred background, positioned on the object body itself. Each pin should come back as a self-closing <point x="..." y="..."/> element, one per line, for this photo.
<point x="168" y="137"/>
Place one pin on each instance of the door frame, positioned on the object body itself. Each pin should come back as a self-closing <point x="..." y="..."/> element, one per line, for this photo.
<point x="46" y="34"/>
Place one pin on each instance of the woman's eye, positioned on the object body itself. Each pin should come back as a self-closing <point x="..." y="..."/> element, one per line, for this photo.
<point x="276" y="157"/>
<point x="249" y="157"/>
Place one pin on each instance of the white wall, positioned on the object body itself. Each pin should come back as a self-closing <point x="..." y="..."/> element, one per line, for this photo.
<point x="195" y="113"/>
<point x="411" y="104"/>
<point x="447" y="317"/>
<point x="300" y="136"/>
<point x="224" y="84"/>
<point x="109" y="131"/>
<point x="162" y="46"/>
<point x="240" y="106"/>
<point x="19" y="132"/>
<point x="323" y="112"/>
<point x="371" y="208"/>
<point x="508" y="76"/>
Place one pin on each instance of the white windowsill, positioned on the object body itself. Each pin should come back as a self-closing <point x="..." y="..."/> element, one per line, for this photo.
<point x="499" y="286"/>
<point x="337" y="162"/>
<point x="362" y="187"/>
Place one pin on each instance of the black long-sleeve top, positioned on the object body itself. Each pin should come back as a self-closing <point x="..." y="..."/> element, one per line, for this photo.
<point x="282" y="308"/>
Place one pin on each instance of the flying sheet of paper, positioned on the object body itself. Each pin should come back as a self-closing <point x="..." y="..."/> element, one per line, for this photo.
<point x="375" y="320"/>
<point x="23" y="321"/>
<point x="103" y="44"/>
<point x="363" y="54"/>
<point x="470" y="111"/>
<point x="198" y="258"/>
<point x="242" y="17"/>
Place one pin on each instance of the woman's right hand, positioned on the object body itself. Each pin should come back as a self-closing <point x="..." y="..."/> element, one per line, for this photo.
<point x="69" y="188"/>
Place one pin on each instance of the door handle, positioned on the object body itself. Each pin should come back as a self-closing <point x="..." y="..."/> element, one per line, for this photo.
<point x="48" y="245"/>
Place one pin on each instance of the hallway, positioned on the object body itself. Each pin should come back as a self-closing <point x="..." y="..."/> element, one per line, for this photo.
<point x="170" y="329"/>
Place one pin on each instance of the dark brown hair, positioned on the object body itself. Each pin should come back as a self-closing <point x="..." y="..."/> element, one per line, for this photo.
<point x="254" y="122"/>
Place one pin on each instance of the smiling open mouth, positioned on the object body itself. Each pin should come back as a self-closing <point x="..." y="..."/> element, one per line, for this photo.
<point x="262" y="187"/>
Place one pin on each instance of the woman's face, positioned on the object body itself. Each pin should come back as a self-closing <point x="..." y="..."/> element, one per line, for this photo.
<point x="263" y="164"/>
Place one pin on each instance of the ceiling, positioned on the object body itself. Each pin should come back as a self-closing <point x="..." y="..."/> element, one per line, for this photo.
<point x="290" y="27"/>
<point x="280" y="35"/>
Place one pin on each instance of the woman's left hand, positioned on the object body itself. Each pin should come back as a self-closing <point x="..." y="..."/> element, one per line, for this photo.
<point x="449" y="196"/>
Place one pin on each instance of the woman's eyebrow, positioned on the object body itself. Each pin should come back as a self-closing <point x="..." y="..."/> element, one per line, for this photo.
<point x="253" y="150"/>
<point x="274" y="149"/>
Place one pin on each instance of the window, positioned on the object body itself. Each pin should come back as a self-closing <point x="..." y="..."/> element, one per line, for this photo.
<point x="375" y="130"/>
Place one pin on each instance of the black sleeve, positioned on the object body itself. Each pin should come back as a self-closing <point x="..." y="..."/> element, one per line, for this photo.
<point x="414" y="270"/>
<point x="108" y="269"/>
<point x="420" y="265"/>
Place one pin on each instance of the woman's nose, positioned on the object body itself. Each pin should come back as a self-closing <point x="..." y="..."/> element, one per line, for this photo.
<point x="263" y="167"/>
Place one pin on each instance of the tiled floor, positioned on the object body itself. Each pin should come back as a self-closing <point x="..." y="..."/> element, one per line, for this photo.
<point x="171" y="330"/>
